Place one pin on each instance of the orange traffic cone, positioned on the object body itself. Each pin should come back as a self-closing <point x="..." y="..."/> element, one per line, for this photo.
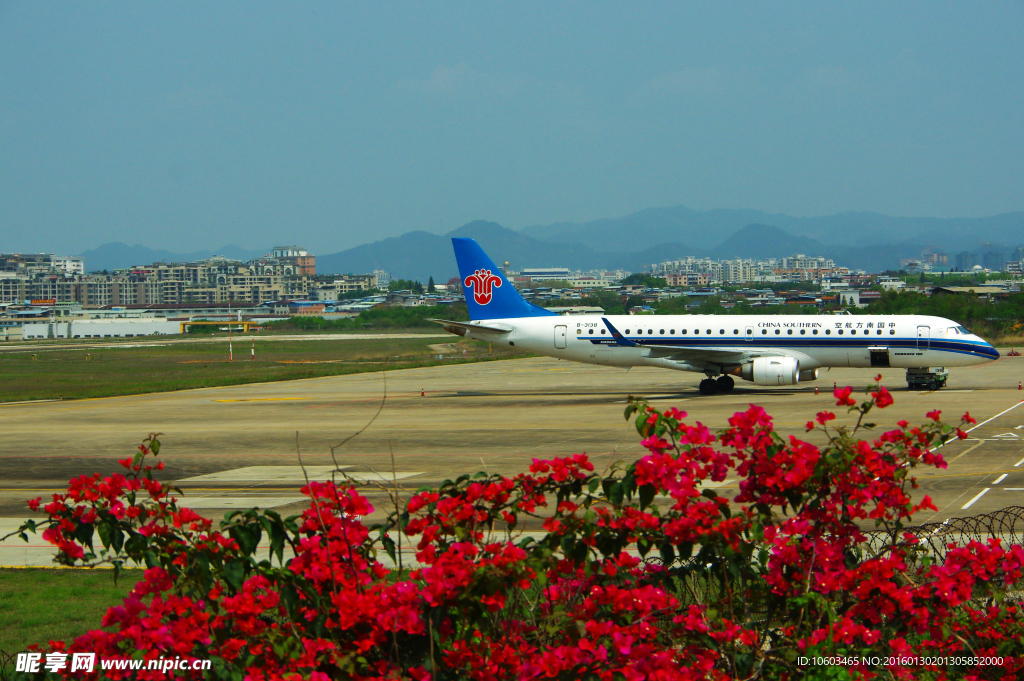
<point x="815" y="390"/>
<point x="422" y="394"/>
<point x="1019" y="386"/>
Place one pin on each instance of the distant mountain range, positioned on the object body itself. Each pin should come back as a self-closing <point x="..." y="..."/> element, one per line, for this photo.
<point x="707" y="229"/>
<point x="869" y="241"/>
<point x="117" y="256"/>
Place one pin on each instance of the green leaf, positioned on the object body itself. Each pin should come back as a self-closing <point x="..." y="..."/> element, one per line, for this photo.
<point x="594" y="483"/>
<point x="616" y="493"/>
<point x="290" y="598"/>
<point x="117" y="538"/>
<point x="104" y="530"/>
<point x="568" y="543"/>
<point x="629" y="481"/>
<point x="389" y="547"/>
<point x="667" y="552"/>
<point x="248" y="537"/>
<point x="275" y="530"/>
<point x="202" y="566"/>
<point x="83" y="533"/>
<point x="234" y="573"/>
<point x="647" y="493"/>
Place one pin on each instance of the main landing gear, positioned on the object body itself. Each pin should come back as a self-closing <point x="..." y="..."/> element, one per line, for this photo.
<point x="722" y="384"/>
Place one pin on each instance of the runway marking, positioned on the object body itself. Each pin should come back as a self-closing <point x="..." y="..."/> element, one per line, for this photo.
<point x="1018" y="463"/>
<point x="1005" y="411"/>
<point x="943" y="391"/>
<point x="15" y="404"/>
<point x="294" y="474"/>
<point x="269" y="473"/>
<point x="1000" y="479"/>
<point x="979" y="425"/>
<point x="265" y="399"/>
<point x="1014" y="489"/>
<point x="966" y="451"/>
<point x="976" y="497"/>
<point x="239" y="502"/>
<point x="510" y="371"/>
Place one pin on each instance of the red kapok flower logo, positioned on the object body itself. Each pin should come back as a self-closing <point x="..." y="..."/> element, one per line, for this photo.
<point x="482" y="282"/>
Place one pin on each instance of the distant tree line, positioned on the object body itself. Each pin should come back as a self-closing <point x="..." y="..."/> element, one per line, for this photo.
<point x="385" y="317"/>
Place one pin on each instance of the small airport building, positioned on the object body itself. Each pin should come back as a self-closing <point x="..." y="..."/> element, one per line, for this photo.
<point x="100" y="328"/>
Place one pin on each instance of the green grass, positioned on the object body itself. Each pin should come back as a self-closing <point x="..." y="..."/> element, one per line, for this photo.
<point x="41" y="605"/>
<point x="58" y="371"/>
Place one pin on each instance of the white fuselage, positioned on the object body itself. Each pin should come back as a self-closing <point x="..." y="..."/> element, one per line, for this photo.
<point x="906" y="341"/>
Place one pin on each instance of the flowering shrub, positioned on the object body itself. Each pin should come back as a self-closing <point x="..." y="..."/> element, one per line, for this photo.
<point x="641" y="572"/>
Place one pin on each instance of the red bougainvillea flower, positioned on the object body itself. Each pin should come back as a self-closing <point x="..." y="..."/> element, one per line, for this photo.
<point x="882" y="397"/>
<point x="843" y="398"/>
<point x="649" y="569"/>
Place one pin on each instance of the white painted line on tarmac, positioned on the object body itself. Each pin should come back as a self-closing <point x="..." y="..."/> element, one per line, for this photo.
<point x="1018" y="427"/>
<point x="966" y="451"/>
<point x="999" y="479"/>
<point x="1018" y="463"/>
<point x="976" y="497"/>
<point x="282" y="474"/>
<point x="1005" y="411"/>
<point x="237" y="502"/>
<point x="1014" y="489"/>
<point x="293" y="475"/>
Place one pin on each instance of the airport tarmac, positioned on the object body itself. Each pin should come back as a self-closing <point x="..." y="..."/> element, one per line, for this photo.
<point x="237" y="446"/>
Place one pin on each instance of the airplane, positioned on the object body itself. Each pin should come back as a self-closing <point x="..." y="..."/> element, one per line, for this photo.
<point x="767" y="350"/>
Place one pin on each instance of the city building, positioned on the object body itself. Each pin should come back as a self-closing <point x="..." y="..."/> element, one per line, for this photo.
<point x="744" y="270"/>
<point x="287" y="273"/>
<point x="545" y="273"/>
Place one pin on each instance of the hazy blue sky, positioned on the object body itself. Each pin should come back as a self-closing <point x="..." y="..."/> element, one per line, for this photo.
<point x="191" y="125"/>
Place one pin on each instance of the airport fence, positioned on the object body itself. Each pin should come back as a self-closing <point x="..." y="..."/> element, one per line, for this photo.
<point x="700" y="582"/>
<point x="1006" y="524"/>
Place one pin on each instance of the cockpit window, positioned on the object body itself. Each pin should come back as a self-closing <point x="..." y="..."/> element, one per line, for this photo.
<point x="964" y="330"/>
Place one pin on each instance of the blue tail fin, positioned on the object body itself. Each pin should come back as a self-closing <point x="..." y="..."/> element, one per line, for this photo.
<point x="489" y="295"/>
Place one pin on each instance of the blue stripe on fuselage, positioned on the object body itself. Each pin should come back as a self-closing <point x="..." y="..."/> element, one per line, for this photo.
<point x="958" y="347"/>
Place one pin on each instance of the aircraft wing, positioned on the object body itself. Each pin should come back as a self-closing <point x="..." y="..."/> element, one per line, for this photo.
<point x="704" y="354"/>
<point x="460" y="328"/>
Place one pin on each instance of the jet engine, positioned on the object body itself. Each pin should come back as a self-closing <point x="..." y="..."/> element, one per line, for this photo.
<point x="772" y="371"/>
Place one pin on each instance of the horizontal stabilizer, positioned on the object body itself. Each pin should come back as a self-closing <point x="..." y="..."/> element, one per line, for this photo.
<point x="460" y="328"/>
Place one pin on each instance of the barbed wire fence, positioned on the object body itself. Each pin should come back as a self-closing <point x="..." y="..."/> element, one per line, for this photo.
<point x="1006" y="524"/>
<point x="704" y="585"/>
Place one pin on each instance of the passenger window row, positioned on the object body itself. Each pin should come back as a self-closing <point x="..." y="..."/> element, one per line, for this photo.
<point x="764" y="332"/>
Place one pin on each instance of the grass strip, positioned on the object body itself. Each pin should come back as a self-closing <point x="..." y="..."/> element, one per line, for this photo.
<point x="56" y="372"/>
<point x="38" y="605"/>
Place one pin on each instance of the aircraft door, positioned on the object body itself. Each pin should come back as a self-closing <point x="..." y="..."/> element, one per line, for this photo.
<point x="560" y="337"/>
<point x="923" y="337"/>
<point x="748" y="333"/>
